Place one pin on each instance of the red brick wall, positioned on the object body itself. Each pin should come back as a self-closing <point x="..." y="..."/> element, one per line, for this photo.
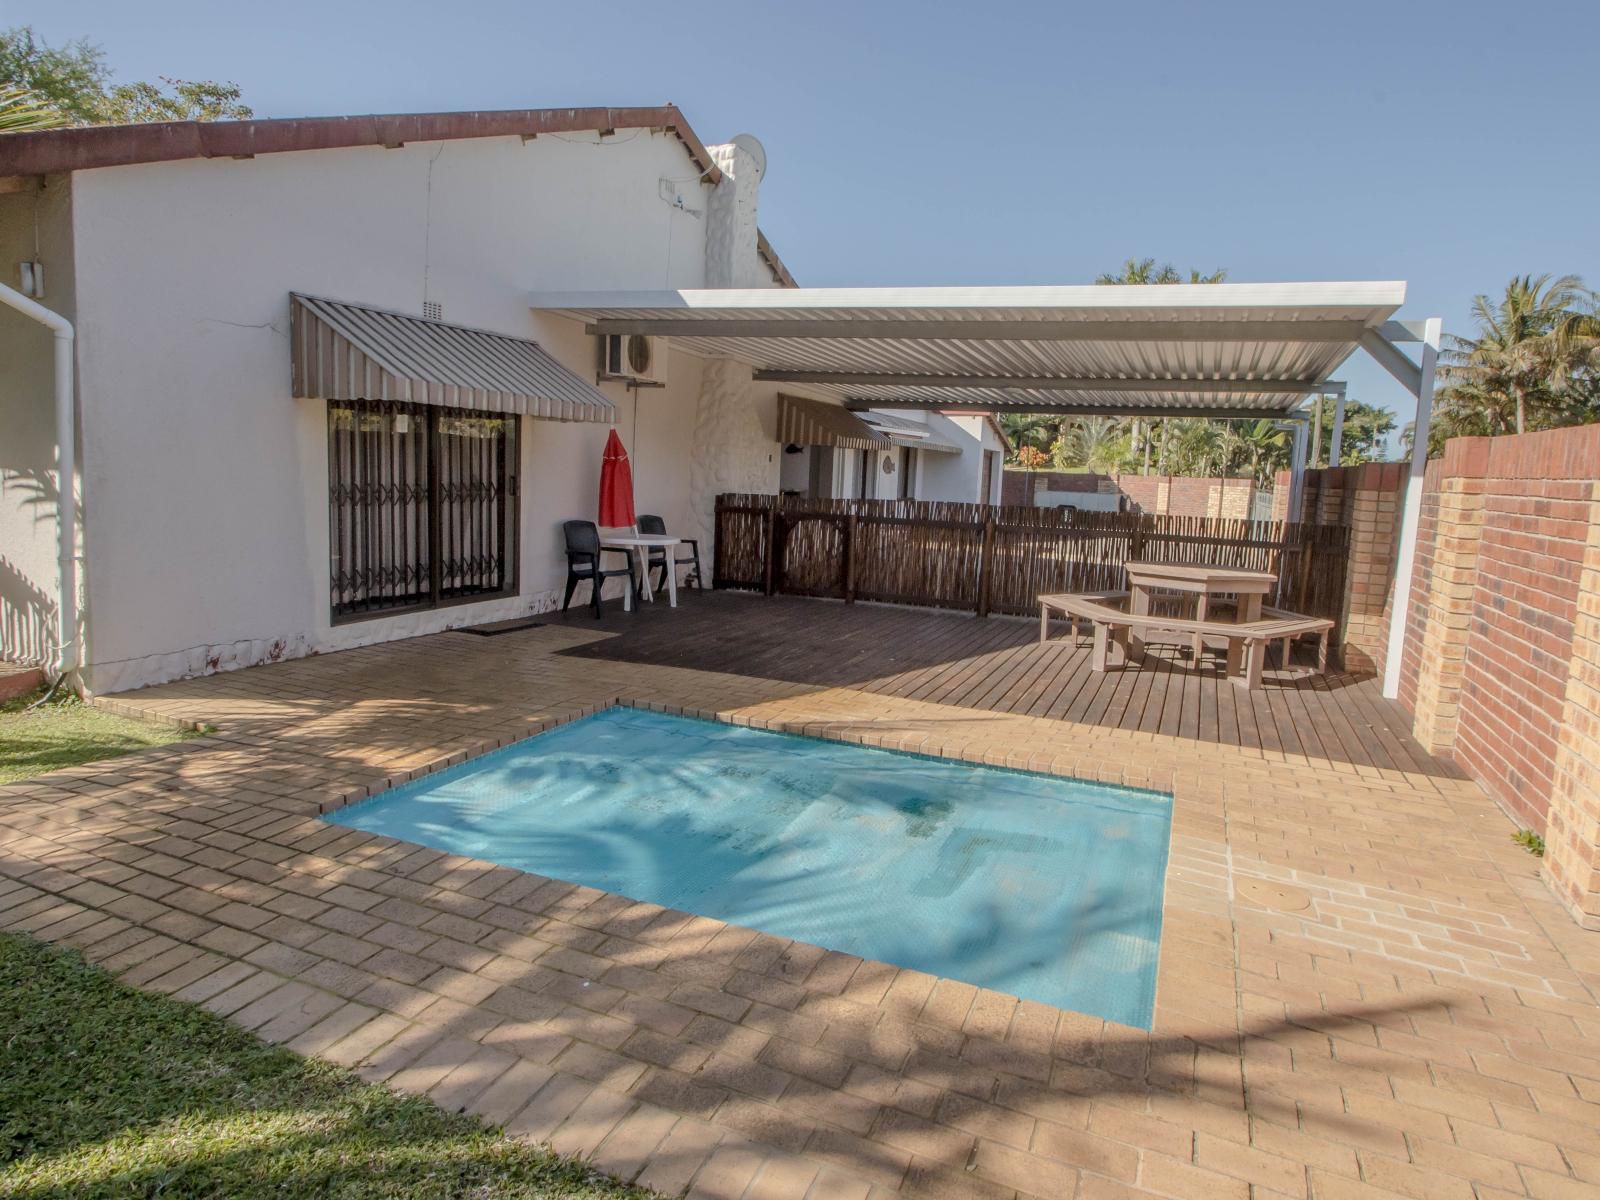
<point x="1366" y="499"/>
<point x="1535" y="524"/>
<point x="1017" y="486"/>
<point x="1530" y="500"/>
<point x="1175" y="495"/>
<point x="1186" y="495"/>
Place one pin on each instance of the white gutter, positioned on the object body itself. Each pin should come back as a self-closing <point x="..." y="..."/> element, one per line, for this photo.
<point x="66" y="469"/>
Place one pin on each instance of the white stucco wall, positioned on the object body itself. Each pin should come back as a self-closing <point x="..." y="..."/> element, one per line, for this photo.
<point x="794" y="470"/>
<point x="35" y="226"/>
<point x="206" y="486"/>
<point x="958" y="477"/>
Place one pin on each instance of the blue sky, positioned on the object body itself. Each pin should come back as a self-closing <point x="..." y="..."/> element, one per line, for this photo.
<point x="1009" y="143"/>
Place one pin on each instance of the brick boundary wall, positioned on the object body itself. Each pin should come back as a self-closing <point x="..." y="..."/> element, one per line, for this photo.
<point x="1018" y="486"/>
<point x="1165" y="495"/>
<point x="1367" y="499"/>
<point x="1501" y="668"/>
<point x="1502" y="662"/>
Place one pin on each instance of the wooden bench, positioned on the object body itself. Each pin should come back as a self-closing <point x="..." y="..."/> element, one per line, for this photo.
<point x="1247" y="640"/>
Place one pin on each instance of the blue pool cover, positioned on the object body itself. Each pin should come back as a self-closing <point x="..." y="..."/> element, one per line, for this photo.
<point x="1045" y="888"/>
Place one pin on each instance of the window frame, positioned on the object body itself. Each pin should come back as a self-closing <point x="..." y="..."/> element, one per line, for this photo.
<point x="506" y="514"/>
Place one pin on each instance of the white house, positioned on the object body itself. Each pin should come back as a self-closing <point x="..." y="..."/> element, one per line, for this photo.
<point x="950" y="455"/>
<point x="316" y="406"/>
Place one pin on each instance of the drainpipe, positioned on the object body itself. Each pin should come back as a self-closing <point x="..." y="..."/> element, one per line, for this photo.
<point x="66" y="468"/>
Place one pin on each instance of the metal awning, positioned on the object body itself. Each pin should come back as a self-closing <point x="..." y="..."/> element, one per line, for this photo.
<point x="349" y="352"/>
<point x="911" y="434"/>
<point x="816" y="423"/>
<point x="1247" y="350"/>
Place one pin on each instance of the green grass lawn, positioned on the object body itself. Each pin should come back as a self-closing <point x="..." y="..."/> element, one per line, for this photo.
<point x="67" y="732"/>
<point x="106" y="1091"/>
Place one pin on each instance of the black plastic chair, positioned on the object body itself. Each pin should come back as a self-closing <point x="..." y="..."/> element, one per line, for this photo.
<point x="583" y="562"/>
<point x="657" y="559"/>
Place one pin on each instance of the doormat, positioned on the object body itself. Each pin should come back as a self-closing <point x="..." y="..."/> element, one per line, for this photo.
<point x="495" y="628"/>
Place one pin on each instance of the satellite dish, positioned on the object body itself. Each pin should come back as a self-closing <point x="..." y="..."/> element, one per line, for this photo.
<point x="751" y="145"/>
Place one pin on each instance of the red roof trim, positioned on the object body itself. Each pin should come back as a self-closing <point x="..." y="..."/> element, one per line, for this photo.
<point x="774" y="263"/>
<point x="55" y="151"/>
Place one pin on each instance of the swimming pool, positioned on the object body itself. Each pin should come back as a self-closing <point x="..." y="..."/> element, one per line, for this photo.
<point x="1041" y="887"/>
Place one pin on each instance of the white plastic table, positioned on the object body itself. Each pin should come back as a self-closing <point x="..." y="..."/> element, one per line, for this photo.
<point x="639" y="545"/>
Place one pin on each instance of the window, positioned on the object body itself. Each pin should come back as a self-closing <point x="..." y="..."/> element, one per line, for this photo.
<point x="908" y="472"/>
<point x="422" y="506"/>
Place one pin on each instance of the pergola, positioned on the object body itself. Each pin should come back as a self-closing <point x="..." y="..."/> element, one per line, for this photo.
<point x="1226" y="350"/>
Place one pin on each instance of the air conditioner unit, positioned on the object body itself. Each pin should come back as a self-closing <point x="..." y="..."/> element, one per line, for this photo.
<point x="639" y="359"/>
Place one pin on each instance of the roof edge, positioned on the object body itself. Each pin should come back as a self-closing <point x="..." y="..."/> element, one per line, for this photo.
<point x="57" y="151"/>
<point x="774" y="263"/>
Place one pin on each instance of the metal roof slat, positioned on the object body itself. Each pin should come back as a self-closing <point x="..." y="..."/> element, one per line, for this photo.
<point x="449" y="365"/>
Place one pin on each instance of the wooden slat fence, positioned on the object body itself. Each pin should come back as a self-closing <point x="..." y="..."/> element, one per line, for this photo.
<point x="982" y="558"/>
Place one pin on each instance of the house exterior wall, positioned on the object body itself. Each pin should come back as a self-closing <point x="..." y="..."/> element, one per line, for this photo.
<point x="959" y="477"/>
<point x="205" y="485"/>
<point x="34" y="226"/>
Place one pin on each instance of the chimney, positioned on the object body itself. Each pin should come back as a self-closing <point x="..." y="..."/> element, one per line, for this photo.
<point x="731" y="257"/>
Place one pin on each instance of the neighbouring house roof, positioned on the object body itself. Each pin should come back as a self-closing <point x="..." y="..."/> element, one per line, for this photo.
<point x="344" y="351"/>
<point x="1182" y="349"/>
<point x="902" y="432"/>
<point x="987" y="415"/>
<point x="82" y="148"/>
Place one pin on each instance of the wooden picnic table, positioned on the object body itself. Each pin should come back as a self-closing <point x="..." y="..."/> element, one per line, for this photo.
<point x="1116" y="625"/>
<point x="1204" y="583"/>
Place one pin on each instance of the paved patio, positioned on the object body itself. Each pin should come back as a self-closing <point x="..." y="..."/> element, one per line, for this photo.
<point x="1365" y="989"/>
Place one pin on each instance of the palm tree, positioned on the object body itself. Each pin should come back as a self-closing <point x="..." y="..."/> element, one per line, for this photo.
<point x="21" y="110"/>
<point x="1260" y="448"/>
<point x="1193" y="446"/>
<point x="1144" y="270"/>
<point x="1037" y="430"/>
<point x="1098" y="443"/>
<point x="1531" y="361"/>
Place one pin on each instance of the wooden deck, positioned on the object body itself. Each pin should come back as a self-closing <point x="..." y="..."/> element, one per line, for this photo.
<point x="997" y="664"/>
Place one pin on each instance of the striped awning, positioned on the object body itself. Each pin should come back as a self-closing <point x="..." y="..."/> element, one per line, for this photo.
<point x="350" y="352"/>
<point x="814" y="423"/>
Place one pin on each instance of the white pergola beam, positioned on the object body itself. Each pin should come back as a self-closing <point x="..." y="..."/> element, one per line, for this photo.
<point x="1404" y="331"/>
<point x="1044" y="383"/>
<point x="1411" y="513"/>
<point x="1067" y="408"/>
<point x="934" y="329"/>
<point x="1393" y="360"/>
<point x="1336" y="442"/>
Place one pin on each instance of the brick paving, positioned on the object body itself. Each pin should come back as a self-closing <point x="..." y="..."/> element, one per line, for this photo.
<point x="1365" y="989"/>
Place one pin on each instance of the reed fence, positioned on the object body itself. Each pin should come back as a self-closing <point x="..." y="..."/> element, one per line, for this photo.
<point x="997" y="559"/>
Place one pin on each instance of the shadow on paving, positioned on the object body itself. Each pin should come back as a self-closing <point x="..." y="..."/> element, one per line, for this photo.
<point x="107" y="1091"/>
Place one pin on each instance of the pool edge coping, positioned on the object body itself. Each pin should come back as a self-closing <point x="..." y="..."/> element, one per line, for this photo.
<point x="797" y="729"/>
<point x="1162" y="781"/>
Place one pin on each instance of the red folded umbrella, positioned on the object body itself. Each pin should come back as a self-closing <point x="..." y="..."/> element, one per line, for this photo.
<point x="616" y="485"/>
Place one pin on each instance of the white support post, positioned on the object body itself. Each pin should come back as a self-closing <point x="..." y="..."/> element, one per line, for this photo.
<point x="1411" y="513"/>
<point x="1336" y="442"/>
<point x="68" y="658"/>
<point x="1297" y="469"/>
<point x="1316" y="431"/>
